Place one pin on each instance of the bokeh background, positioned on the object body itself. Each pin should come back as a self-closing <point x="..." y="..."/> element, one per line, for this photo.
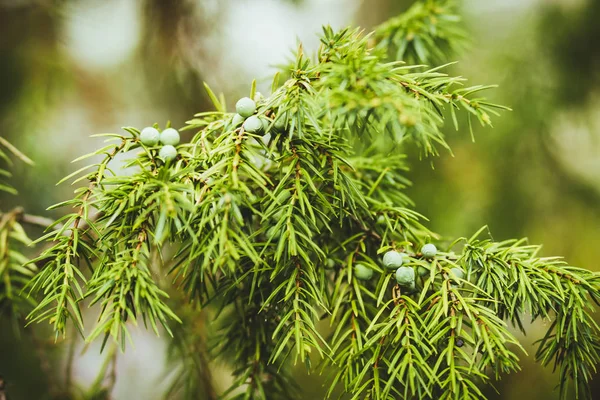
<point x="69" y="69"/>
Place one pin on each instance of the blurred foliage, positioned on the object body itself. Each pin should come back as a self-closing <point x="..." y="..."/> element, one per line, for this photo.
<point x="427" y="33"/>
<point x="574" y="50"/>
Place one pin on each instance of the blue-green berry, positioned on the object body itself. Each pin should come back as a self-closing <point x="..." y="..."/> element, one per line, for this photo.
<point x="457" y="273"/>
<point x="280" y="122"/>
<point x="149" y="136"/>
<point x="392" y="260"/>
<point x="363" y="272"/>
<point x="168" y="153"/>
<point x="405" y="276"/>
<point x="245" y="107"/>
<point x="422" y="271"/>
<point x="170" y="137"/>
<point x="253" y="124"/>
<point x="429" y="250"/>
<point x="258" y="97"/>
<point x="266" y="139"/>
<point x="381" y="221"/>
<point x="265" y="123"/>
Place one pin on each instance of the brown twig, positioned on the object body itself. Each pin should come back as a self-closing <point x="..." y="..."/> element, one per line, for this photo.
<point x="18" y="214"/>
<point x="37" y="220"/>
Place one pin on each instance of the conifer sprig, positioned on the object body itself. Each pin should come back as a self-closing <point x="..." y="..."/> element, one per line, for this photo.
<point x="5" y="148"/>
<point x="15" y="268"/>
<point x="429" y="32"/>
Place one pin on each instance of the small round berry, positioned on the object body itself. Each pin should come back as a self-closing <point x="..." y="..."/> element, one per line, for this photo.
<point x="170" y="137"/>
<point x="429" y="250"/>
<point x="237" y="120"/>
<point x="392" y="260"/>
<point x="405" y="276"/>
<point x="412" y="287"/>
<point x="280" y="122"/>
<point x="422" y="271"/>
<point x="457" y="273"/>
<point x="258" y="97"/>
<point x="405" y="258"/>
<point x="459" y="342"/>
<point x="149" y="136"/>
<point x="266" y="139"/>
<point x="265" y="124"/>
<point x="253" y="124"/>
<point x="245" y="107"/>
<point x="168" y="153"/>
<point x="330" y="264"/>
<point x="381" y="221"/>
<point x="363" y="272"/>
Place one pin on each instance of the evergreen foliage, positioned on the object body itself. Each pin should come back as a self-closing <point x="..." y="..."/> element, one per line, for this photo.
<point x="275" y="225"/>
<point x="15" y="269"/>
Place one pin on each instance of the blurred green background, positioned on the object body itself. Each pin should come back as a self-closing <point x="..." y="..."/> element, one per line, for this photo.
<point x="69" y="69"/>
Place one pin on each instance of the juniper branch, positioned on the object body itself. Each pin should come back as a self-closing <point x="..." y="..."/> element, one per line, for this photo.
<point x="282" y="223"/>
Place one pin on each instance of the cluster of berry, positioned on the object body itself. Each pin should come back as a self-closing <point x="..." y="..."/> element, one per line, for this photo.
<point x="246" y="109"/>
<point x="405" y="275"/>
<point x="168" y="138"/>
